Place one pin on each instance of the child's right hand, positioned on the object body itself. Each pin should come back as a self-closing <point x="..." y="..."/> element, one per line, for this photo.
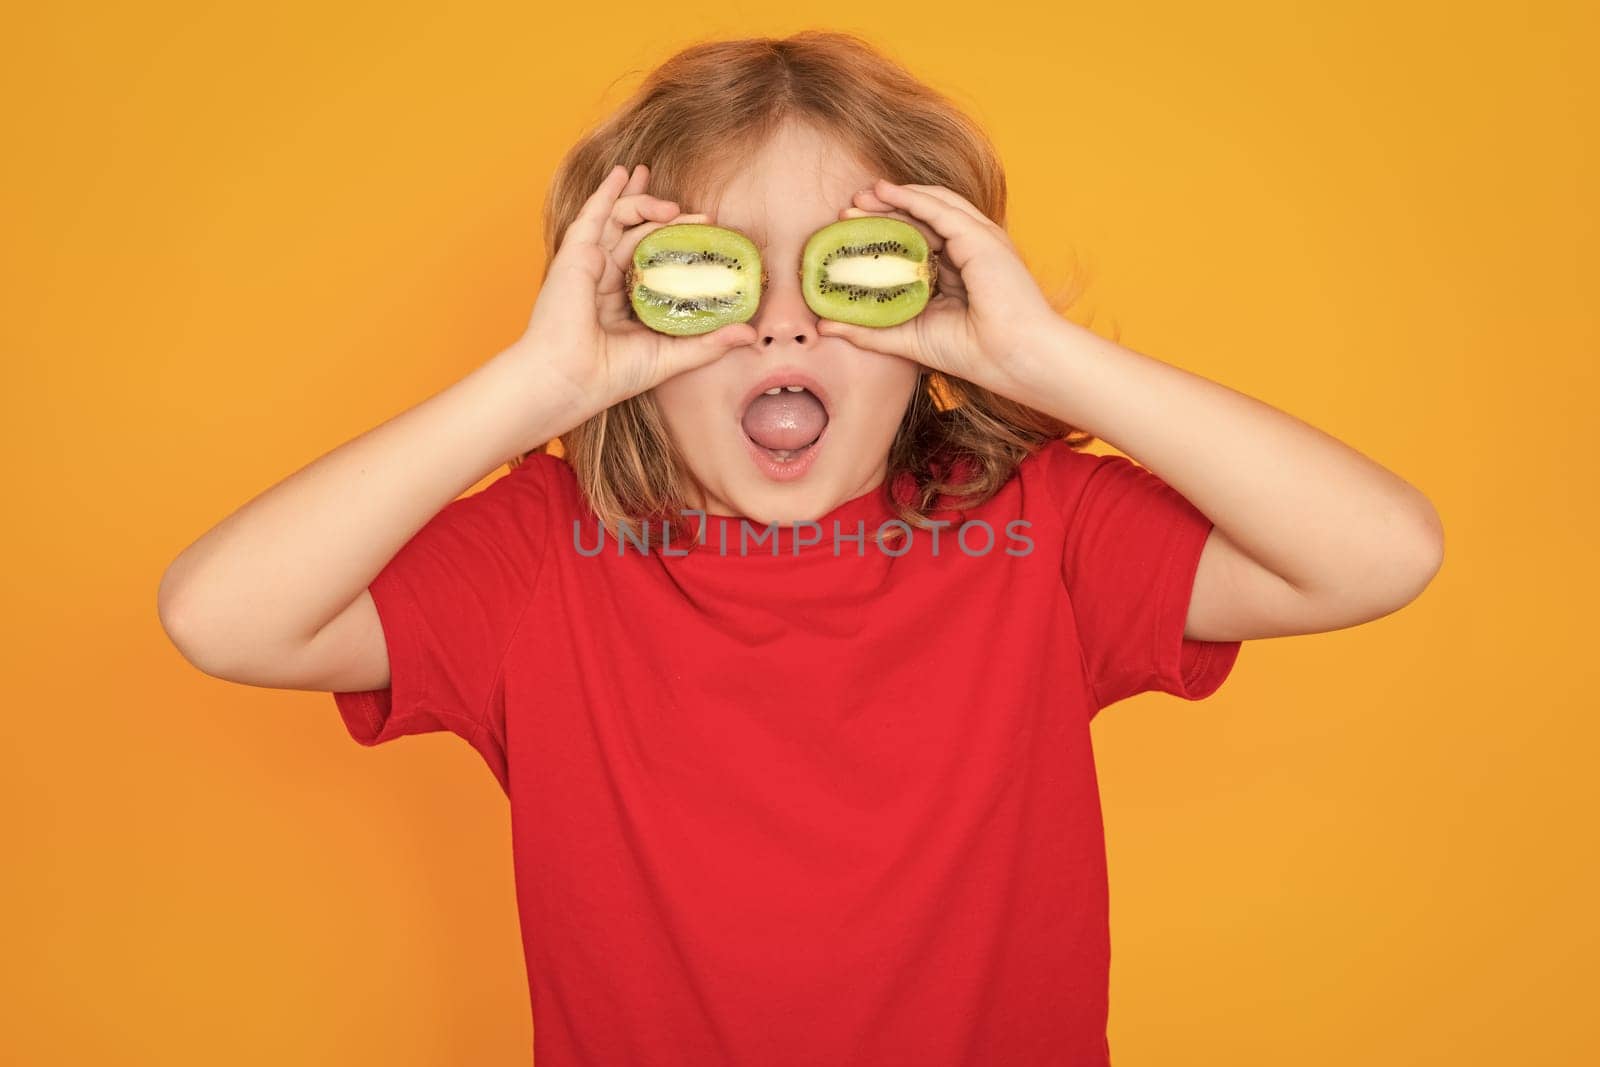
<point x="582" y="324"/>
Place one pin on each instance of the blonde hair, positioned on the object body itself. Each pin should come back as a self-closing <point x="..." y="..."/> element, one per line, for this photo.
<point x="703" y="113"/>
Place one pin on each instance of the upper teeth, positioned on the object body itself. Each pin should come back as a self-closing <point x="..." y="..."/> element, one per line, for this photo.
<point x="776" y="389"/>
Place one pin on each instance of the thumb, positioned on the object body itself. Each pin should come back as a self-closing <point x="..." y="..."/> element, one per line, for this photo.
<point x="687" y="353"/>
<point x="891" y="340"/>
<point x="733" y="335"/>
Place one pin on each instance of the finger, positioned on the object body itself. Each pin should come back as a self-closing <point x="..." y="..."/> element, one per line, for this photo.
<point x="622" y="252"/>
<point x="954" y="199"/>
<point x="679" y="354"/>
<point x="612" y="290"/>
<point x="962" y="233"/>
<point x="935" y="242"/>
<point x="636" y="183"/>
<point x="950" y="284"/>
<point x="892" y="340"/>
<point x="586" y="227"/>
<point x="631" y="210"/>
<point x="627" y="224"/>
<point x="637" y="180"/>
<point x="866" y="198"/>
<point x="875" y="205"/>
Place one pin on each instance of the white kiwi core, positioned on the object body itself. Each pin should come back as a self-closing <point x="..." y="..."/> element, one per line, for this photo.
<point x="874" y="272"/>
<point x="692" y="279"/>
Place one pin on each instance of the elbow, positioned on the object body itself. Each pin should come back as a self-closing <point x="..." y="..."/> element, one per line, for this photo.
<point x="1416" y="553"/>
<point x="1429" y="547"/>
<point x="167" y="599"/>
<point x="178" y="620"/>
<point x="1389" y="567"/>
<point x="173" y="615"/>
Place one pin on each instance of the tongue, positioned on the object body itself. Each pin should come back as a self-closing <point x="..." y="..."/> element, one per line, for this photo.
<point x="785" y="420"/>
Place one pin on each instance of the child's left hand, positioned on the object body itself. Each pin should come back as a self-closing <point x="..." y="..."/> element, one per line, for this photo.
<point x="988" y="310"/>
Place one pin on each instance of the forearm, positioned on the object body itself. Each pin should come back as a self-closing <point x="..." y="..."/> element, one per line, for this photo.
<point x="274" y="572"/>
<point x="1299" y="502"/>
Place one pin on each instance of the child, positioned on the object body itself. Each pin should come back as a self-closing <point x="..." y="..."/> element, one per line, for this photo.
<point x="795" y="734"/>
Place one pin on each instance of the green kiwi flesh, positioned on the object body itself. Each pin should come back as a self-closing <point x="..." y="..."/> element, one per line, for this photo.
<point x="871" y="271"/>
<point x="692" y="278"/>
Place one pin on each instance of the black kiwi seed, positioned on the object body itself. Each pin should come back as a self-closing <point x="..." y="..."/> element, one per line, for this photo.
<point x="863" y="238"/>
<point x="687" y="311"/>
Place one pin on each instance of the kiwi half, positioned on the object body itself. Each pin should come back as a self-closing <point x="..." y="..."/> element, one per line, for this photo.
<point x="690" y="278"/>
<point x="871" y="271"/>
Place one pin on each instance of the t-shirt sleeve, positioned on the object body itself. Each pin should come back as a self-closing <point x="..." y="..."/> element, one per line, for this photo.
<point x="449" y="602"/>
<point x="1131" y="550"/>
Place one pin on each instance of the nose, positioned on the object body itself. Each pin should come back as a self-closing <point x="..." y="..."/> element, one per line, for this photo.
<point x="784" y="317"/>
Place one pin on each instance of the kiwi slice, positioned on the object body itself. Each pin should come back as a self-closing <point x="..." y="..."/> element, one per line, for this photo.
<point x="690" y="278"/>
<point x="871" y="271"/>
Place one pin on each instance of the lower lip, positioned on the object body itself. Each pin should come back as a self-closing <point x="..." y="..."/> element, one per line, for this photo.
<point x="785" y="470"/>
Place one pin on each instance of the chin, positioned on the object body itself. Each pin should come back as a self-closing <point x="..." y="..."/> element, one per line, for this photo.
<point x="765" y="503"/>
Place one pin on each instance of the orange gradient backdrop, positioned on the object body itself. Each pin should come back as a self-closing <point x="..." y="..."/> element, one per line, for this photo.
<point x="235" y="238"/>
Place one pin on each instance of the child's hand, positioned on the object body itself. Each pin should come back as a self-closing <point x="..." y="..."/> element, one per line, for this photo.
<point x="988" y="309"/>
<point x="582" y="322"/>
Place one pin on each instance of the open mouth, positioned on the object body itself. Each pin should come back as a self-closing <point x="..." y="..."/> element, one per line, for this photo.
<point x="784" y="420"/>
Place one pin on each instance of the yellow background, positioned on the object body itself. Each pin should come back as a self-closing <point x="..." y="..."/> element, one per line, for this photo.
<point x="235" y="238"/>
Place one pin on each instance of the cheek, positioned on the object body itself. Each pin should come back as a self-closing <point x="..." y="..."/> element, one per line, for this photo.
<point x="888" y="388"/>
<point x="684" y="401"/>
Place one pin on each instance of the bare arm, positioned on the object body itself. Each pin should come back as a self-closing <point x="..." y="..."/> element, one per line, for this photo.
<point x="1310" y="535"/>
<point x="276" y="594"/>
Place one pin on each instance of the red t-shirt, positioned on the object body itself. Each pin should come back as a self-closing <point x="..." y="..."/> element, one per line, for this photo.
<point x="833" y="806"/>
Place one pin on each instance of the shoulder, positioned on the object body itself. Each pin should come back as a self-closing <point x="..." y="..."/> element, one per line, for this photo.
<point x="549" y="475"/>
<point x="1038" y="488"/>
<point x="1055" y="475"/>
<point x="1069" y="475"/>
<point x="525" y="499"/>
<point x="546" y="487"/>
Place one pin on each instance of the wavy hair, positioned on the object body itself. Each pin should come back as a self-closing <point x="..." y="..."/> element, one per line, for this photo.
<point x="708" y="109"/>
